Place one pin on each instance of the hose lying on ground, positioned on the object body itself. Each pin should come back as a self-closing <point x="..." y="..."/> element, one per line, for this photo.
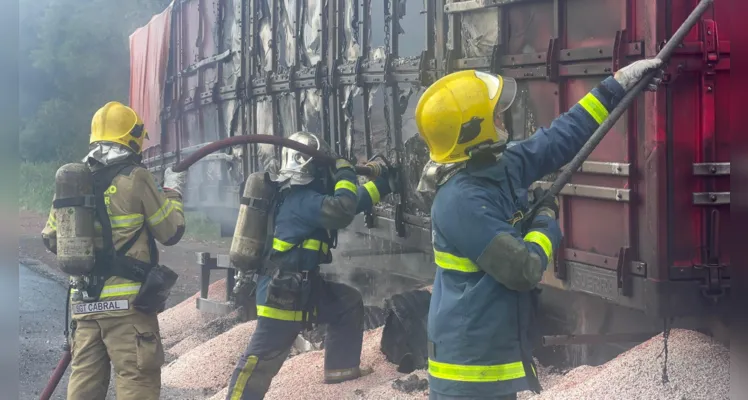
<point x="260" y="139"/>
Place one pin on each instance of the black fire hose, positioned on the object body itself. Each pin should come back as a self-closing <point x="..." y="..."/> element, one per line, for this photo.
<point x="264" y="139"/>
<point x="664" y="55"/>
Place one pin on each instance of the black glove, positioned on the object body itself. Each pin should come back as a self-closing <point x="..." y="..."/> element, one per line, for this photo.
<point x="549" y="202"/>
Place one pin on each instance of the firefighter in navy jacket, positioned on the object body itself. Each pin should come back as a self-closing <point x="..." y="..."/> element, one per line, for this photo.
<point x="490" y="256"/>
<point x="305" y="224"/>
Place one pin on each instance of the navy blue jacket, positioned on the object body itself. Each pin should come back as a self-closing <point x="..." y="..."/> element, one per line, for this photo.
<point x="479" y="329"/>
<point x="303" y="223"/>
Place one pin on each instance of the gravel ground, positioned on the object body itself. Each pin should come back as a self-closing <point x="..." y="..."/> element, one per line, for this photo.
<point x="205" y="332"/>
<point x="184" y="319"/>
<point x="208" y="367"/>
<point x="548" y="377"/>
<point x="385" y="391"/>
<point x="220" y="395"/>
<point x="302" y="376"/>
<point x="698" y="369"/>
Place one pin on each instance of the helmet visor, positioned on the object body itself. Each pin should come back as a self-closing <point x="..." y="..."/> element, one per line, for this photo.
<point x="497" y="85"/>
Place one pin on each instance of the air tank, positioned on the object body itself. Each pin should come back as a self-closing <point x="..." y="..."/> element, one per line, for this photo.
<point x="251" y="231"/>
<point x="75" y="214"/>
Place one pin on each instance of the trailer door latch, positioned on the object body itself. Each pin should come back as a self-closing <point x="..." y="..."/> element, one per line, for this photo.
<point x="715" y="284"/>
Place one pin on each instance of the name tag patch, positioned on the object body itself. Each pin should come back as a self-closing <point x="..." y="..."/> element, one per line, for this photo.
<point x="100" y="306"/>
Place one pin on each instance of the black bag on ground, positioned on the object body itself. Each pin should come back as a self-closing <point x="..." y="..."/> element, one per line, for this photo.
<point x="405" y="338"/>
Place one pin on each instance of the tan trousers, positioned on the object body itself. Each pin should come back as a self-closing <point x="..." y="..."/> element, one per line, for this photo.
<point x="132" y="344"/>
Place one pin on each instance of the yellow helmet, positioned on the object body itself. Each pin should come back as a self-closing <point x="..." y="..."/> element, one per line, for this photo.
<point x="118" y="123"/>
<point x="457" y="112"/>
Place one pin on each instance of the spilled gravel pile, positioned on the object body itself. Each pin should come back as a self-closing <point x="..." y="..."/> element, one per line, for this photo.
<point x="548" y="377"/>
<point x="209" y="366"/>
<point x="221" y="395"/>
<point x="184" y="319"/>
<point x="301" y="377"/>
<point x="698" y="369"/>
<point x="204" y="332"/>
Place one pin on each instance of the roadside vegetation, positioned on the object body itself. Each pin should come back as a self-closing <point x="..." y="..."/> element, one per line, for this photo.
<point x="74" y="58"/>
<point x="37" y="187"/>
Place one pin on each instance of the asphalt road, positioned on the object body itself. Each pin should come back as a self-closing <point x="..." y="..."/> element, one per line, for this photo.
<point x="41" y="318"/>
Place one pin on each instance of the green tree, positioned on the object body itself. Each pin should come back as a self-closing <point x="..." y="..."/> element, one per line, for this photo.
<point x="75" y="58"/>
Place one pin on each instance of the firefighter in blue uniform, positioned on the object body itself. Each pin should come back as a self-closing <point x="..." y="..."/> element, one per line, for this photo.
<point x="490" y="256"/>
<point x="305" y="223"/>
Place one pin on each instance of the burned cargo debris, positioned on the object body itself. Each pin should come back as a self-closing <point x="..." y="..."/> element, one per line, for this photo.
<point x="410" y="384"/>
<point x="404" y="340"/>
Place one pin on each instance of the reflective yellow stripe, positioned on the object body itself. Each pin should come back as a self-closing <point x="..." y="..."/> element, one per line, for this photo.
<point x="280" y="245"/>
<point x="274" y="313"/>
<point x="309" y="244"/>
<point x="125" y="289"/>
<point x="177" y="205"/>
<point x="373" y="192"/>
<point x="593" y="106"/>
<point x="476" y="373"/>
<point x="52" y="221"/>
<point x="162" y="213"/>
<point x="241" y="380"/>
<point x="541" y="240"/>
<point x="449" y="261"/>
<point x="127" y="221"/>
<point x="347" y="185"/>
<point x="314" y="244"/>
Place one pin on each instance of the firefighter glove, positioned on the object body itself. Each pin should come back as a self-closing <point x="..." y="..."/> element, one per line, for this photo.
<point x="629" y="75"/>
<point x="342" y="163"/>
<point x="548" y="204"/>
<point x="175" y="180"/>
<point x="377" y="169"/>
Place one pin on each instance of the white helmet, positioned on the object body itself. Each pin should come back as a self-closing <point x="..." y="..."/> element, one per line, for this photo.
<point x="296" y="166"/>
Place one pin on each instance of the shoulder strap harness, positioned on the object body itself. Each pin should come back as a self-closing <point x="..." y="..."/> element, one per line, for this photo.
<point x="111" y="262"/>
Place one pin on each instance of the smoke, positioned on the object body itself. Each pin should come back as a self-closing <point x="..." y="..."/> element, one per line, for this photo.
<point x="377" y="268"/>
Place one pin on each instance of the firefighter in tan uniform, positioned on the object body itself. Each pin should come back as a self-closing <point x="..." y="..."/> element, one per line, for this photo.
<point x="114" y="308"/>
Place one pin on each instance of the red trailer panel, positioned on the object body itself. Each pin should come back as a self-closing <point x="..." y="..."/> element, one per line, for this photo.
<point x="149" y="53"/>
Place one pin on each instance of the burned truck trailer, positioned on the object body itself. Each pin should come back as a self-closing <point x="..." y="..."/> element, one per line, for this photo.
<point x="645" y="218"/>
